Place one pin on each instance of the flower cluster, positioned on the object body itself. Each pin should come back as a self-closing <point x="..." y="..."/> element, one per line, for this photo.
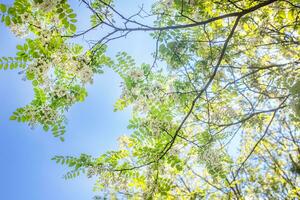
<point x="21" y="26"/>
<point x="19" y="30"/>
<point x="43" y="114"/>
<point x="46" y="5"/>
<point x="136" y="74"/>
<point x="124" y="142"/>
<point x="58" y="70"/>
<point x="73" y="65"/>
<point x="39" y="69"/>
<point x="146" y="89"/>
<point x="85" y="73"/>
<point x="62" y="92"/>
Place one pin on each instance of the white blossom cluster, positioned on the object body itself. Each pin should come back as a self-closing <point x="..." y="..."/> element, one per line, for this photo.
<point x="37" y="19"/>
<point x="124" y="142"/>
<point x="19" y="30"/>
<point x="48" y="115"/>
<point x="52" y="65"/>
<point x="46" y="5"/>
<point x="147" y="92"/>
<point x="85" y="73"/>
<point x="136" y="74"/>
<point x="80" y="69"/>
<point x="22" y="29"/>
<point x="60" y="92"/>
<point x="39" y="68"/>
<point x="65" y="62"/>
<point x="44" y="114"/>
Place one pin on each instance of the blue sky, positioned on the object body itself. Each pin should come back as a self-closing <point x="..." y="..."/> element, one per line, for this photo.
<point x="26" y="170"/>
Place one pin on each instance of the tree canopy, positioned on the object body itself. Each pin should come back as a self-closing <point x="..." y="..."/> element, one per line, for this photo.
<point x="222" y="71"/>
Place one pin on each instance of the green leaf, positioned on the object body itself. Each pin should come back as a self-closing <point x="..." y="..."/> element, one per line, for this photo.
<point x="69" y="10"/>
<point x="11" y="11"/>
<point x="45" y="128"/>
<point x="72" y="27"/>
<point x="12" y="65"/>
<point x="13" y="117"/>
<point x="30" y="75"/>
<point x="7" y="21"/>
<point x="20" y="47"/>
<point x="35" y="83"/>
<point x="2" y="8"/>
<point x="73" y="20"/>
<point x="61" y="15"/>
<point x="60" y="10"/>
<point x="73" y="15"/>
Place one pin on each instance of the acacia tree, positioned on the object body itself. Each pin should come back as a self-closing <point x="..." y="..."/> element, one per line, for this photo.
<point x="221" y="69"/>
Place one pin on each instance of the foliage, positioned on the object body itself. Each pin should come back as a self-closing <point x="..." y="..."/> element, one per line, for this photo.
<point x="58" y="70"/>
<point x="222" y="70"/>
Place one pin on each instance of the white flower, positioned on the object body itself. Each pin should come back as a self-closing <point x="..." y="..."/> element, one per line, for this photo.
<point x="136" y="74"/>
<point x="86" y="74"/>
<point x="46" y="6"/>
<point x="170" y="88"/>
<point x="157" y="85"/>
<point x="20" y="30"/>
<point x="124" y="141"/>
